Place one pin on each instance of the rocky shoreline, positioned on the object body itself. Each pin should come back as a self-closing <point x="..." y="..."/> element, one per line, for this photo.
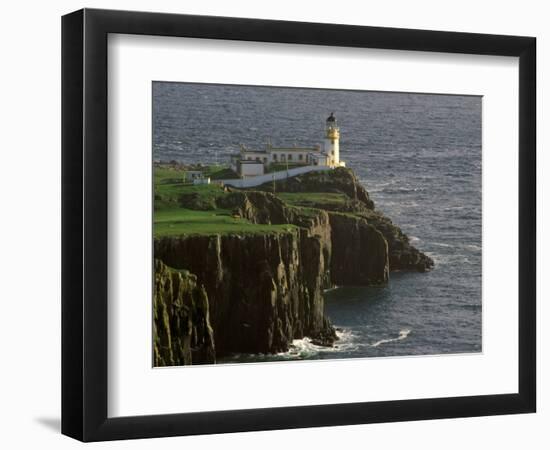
<point x="219" y="294"/>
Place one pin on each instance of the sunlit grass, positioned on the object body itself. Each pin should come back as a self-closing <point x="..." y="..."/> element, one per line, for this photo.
<point x="180" y="221"/>
<point x="313" y="198"/>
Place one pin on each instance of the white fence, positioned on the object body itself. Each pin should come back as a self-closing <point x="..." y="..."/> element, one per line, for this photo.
<point x="275" y="176"/>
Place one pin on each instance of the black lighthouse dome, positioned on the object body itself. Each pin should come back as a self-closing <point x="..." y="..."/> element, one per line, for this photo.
<point x="331" y="118"/>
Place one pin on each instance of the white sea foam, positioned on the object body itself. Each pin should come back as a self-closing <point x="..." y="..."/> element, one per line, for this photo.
<point x="472" y="247"/>
<point x="402" y="335"/>
<point x="331" y="289"/>
<point x="441" y="260"/>
<point x="453" y="259"/>
<point x="303" y="348"/>
<point x="347" y="340"/>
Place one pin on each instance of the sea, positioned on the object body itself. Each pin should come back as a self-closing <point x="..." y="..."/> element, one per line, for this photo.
<point x="419" y="157"/>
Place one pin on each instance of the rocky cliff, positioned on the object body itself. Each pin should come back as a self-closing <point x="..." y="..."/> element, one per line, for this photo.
<point x="359" y="252"/>
<point x="338" y="180"/>
<point x="182" y="331"/>
<point x="264" y="290"/>
<point x="255" y="292"/>
<point x="402" y="255"/>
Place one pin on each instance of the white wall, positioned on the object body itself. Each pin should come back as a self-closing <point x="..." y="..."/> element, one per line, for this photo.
<point x="274" y="176"/>
<point x="30" y="177"/>
<point x="252" y="170"/>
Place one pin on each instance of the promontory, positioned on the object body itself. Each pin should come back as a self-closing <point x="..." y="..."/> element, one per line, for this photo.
<point x="244" y="270"/>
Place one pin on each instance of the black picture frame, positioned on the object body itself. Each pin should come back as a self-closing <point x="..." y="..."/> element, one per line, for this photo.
<point x="84" y="224"/>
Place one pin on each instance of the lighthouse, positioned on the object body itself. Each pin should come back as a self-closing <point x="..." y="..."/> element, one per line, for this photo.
<point x="249" y="163"/>
<point x="332" y="141"/>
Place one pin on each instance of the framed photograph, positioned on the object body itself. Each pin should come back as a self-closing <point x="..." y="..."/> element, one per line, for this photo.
<point x="273" y="224"/>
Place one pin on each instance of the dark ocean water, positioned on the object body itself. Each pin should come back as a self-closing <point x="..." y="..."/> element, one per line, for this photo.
<point x="418" y="155"/>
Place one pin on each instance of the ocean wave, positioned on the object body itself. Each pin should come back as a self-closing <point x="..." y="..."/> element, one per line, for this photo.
<point x="470" y="247"/>
<point x="300" y="349"/>
<point x="400" y="190"/>
<point x="402" y="335"/>
<point x="305" y="348"/>
<point x="452" y="259"/>
<point x="441" y="244"/>
<point x="473" y="247"/>
<point x="378" y="187"/>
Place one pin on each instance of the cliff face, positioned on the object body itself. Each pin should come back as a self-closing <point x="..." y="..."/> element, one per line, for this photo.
<point x="182" y="331"/>
<point x="256" y="292"/>
<point x="359" y="252"/>
<point x="356" y="249"/>
<point x="402" y="255"/>
<point x="264" y="290"/>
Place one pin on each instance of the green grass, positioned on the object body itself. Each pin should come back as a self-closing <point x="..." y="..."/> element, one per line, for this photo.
<point x="180" y="221"/>
<point x="185" y="209"/>
<point x="313" y="199"/>
<point x="221" y="173"/>
<point x="304" y="210"/>
<point x="163" y="173"/>
<point x="170" y="185"/>
<point x="169" y="195"/>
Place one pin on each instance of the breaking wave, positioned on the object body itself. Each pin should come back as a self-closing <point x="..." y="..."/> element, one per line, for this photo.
<point x="305" y="348"/>
<point x="402" y="335"/>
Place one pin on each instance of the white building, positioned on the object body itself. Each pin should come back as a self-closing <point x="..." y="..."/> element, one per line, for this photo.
<point x="250" y="163"/>
<point x="203" y="180"/>
<point x="192" y="175"/>
<point x="196" y="177"/>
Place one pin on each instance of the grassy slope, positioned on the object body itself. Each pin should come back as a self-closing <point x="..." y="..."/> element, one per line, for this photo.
<point x="312" y="199"/>
<point x="215" y="172"/>
<point x="180" y="221"/>
<point x="165" y="173"/>
<point x="170" y="219"/>
<point x="167" y="195"/>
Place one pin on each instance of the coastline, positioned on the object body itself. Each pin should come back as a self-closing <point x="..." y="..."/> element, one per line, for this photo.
<point x="265" y="286"/>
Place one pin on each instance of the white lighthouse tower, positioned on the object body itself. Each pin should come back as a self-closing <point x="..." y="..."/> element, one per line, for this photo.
<point x="332" y="141"/>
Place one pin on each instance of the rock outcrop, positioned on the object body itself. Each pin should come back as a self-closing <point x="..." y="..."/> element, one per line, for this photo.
<point x="340" y="180"/>
<point x="359" y="252"/>
<point x="402" y="255"/>
<point x="182" y="331"/>
<point x="264" y="290"/>
<point x="257" y="207"/>
<point x="255" y="292"/>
